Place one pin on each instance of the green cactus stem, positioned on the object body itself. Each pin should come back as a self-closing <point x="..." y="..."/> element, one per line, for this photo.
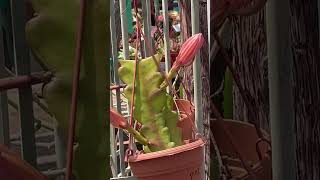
<point x="51" y="34"/>
<point x="138" y="136"/>
<point x="152" y="106"/>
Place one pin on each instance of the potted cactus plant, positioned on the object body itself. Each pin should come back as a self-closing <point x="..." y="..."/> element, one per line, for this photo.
<point x="170" y="148"/>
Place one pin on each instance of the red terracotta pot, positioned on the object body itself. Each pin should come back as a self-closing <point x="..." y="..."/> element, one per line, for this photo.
<point x="13" y="168"/>
<point x="180" y="163"/>
<point x="245" y="137"/>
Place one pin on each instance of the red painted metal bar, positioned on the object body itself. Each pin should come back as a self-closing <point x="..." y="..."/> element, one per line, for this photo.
<point x="75" y="90"/>
<point x="24" y="80"/>
<point x="115" y="87"/>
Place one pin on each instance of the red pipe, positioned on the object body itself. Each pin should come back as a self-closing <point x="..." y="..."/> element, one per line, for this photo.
<point x="75" y="90"/>
<point x="24" y="81"/>
<point x="115" y="87"/>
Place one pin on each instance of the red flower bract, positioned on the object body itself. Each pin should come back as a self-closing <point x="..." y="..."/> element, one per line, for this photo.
<point x="117" y="120"/>
<point x="188" y="50"/>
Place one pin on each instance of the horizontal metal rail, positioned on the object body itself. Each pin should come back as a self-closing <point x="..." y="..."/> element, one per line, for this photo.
<point x="115" y="87"/>
<point x="24" y="80"/>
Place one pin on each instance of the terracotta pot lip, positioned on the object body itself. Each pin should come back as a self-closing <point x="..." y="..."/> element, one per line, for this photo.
<point x="168" y="152"/>
<point x="247" y="124"/>
<point x="184" y="100"/>
<point x="14" y="161"/>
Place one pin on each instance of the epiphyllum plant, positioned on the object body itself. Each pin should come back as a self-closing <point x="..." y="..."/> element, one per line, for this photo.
<point x="153" y="106"/>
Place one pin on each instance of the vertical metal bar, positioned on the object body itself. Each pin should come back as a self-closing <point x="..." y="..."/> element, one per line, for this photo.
<point x="146" y="14"/>
<point x="197" y="68"/>
<point x="166" y="28"/>
<point x="4" y="114"/>
<point x="124" y="30"/>
<point x="4" y="117"/>
<point x="156" y="8"/>
<point x="148" y="4"/>
<point x="116" y="80"/>
<point x="209" y="27"/>
<point x="319" y="18"/>
<point x="181" y="32"/>
<point x="280" y="89"/>
<point x="60" y="147"/>
<point x="197" y="74"/>
<point x="22" y="64"/>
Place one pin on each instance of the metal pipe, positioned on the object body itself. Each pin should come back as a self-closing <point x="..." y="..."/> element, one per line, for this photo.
<point x="195" y="21"/>
<point x="4" y="119"/>
<point x="156" y="8"/>
<point x="60" y="146"/>
<point x="181" y="28"/>
<point x="166" y="39"/>
<point x="75" y="90"/>
<point x="24" y="81"/>
<point x="22" y="67"/>
<point x="197" y="68"/>
<point x="124" y="28"/>
<point x="146" y="13"/>
<point x="209" y="27"/>
<point x="319" y="18"/>
<point x="116" y="87"/>
<point x="54" y="172"/>
<point x="4" y="114"/>
<point x="125" y="44"/>
<point x="280" y="89"/>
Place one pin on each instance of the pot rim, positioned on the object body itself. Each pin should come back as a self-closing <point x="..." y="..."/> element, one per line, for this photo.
<point x="168" y="152"/>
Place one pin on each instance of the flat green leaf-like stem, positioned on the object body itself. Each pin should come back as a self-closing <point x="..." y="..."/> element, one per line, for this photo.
<point x="52" y="38"/>
<point x="152" y="106"/>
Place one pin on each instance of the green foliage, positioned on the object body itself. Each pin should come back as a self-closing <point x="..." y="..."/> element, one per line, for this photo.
<point x="52" y="38"/>
<point x="131" y="53"/>
<point x="153" y="107"/>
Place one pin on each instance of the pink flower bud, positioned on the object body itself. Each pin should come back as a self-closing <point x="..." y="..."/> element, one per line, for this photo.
<point x="117" y="120"/>
<point x="188" y="50"/>
<point x="160" y="18"/>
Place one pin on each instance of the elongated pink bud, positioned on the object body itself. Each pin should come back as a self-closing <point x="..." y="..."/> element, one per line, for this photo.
<point x="186" y="56"/>
<point x="117" y="120"/>
<point x="188" y="51"/>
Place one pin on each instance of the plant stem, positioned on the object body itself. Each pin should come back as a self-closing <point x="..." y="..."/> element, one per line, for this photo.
<point x="138" y="136"/>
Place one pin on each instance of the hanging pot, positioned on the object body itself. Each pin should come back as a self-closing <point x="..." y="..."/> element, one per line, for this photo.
<point x="180" y="163"/>
<point x="254" y="151"/>
<point x="183" y="162"/>
<point x="13" y="168"/>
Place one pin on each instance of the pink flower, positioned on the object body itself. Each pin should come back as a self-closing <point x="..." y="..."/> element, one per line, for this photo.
<point x="160" y="18"/>
<point x="117" y="120"/>
<point x="188" y="51"/>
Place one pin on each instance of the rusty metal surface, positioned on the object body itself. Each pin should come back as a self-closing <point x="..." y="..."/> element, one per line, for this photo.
<point x="24" y="80"/>
<point x="75" y="91"/>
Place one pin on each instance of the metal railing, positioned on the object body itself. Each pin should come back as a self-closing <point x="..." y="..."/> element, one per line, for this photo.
<point x="120" y="169"/>
<point x="23" y="77"/>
